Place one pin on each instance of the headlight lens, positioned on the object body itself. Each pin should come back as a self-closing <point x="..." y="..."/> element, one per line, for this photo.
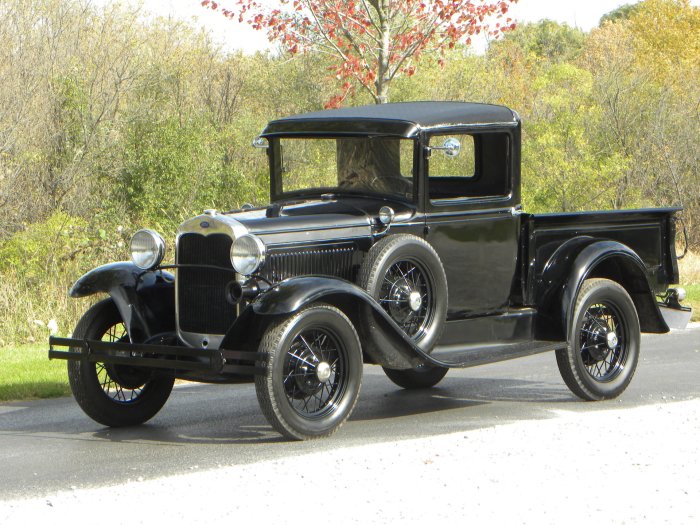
<point x="247" y="254"/>
<point x="147" y="249"/>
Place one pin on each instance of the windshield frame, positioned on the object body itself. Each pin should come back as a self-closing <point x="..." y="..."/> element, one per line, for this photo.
<point x="276" y="176"/>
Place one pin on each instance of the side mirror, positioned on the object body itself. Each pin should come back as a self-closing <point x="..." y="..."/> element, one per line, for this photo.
<point x="260" y="143"/>
<point x="451" y="147"/>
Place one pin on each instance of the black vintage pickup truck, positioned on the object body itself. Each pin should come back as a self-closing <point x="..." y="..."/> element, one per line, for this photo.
<point x="395" y="236"/>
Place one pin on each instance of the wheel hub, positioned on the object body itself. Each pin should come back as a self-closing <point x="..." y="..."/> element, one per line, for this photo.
<point x="323" y="372"/>
<point x="406" y="296"/>
<point x="611" y="340"/>
<point x="597" y="344"/>
<point x="415" y="301"/>
<point x="128" y="377"/>
<point x="313" y="373"/>
<point x="307" y="382"/>
<point x="401" y="297"/>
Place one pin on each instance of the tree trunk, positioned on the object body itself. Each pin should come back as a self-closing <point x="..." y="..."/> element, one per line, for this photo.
<point x="382" y="82"/>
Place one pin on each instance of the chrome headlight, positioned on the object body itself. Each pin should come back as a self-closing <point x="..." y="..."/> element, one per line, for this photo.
<point x="247" y="254"/>
<point x="147" y="249"/>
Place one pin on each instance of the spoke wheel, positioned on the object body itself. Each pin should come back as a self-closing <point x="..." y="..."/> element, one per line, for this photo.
<point x="114" y="395"/>
<point x="313" y="372"/>
<point x="407" y="296"/>
<point x="404" y="274"/>
<point x="604" y="337"/>
<point x="602" y="342"/>
<point x="121" y="384"/>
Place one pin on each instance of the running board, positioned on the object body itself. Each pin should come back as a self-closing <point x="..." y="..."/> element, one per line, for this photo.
<point x="463" y="356"/>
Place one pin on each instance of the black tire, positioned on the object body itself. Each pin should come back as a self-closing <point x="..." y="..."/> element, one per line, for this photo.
<point x="313" y="372"/>
<point x="423" y="376"/>
<point x="382" y="276"/>
<point x="114" y="395"/>
<point x="604" y="338"/>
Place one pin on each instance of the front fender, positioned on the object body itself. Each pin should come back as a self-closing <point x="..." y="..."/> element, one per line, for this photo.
<point x="585" y="258"/>
<point x="396" y="349"/>
<point x="145" y="298"/>
<point x="293" y="294"/>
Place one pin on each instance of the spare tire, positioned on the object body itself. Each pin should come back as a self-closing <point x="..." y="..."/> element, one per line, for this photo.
<point x="404" y="274"/>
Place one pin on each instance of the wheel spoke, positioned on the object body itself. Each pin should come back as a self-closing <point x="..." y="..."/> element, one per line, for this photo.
<point x="313" y="354"/>
<point x="110" y="386"/>
<point x="302" y="360"/>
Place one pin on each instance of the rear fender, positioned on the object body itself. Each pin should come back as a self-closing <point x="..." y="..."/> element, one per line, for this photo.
<point x="291" y="295"/>
<point x="145" y="299"/>
<point x="585" y="258"/>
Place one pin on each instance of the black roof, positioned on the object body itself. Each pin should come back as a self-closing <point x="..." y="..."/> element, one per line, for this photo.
<point x="404" y="119"/>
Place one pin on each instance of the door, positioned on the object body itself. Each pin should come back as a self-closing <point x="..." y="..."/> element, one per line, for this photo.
<point x="471" y="219"/>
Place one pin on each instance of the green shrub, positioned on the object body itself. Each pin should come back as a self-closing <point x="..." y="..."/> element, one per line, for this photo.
<point x="38" y="249"/>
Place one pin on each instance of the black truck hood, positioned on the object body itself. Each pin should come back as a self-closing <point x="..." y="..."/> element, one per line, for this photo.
<point x="307" y="220"/>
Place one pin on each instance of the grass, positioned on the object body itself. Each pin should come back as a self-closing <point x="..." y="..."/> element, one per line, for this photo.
<point x="693" y="300"/>
<point x="27" y="373"/>
<point x="689" y="268"/>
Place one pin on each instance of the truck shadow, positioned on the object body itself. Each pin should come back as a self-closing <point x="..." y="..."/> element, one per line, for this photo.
<point x="455" y="394"/>
<point x="206" y="421"/>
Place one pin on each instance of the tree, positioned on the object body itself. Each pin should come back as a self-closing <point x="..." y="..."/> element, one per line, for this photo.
<point x="668" y="38"/>
<point x="371" y="42"/>
<point x="545" y="40"/>
<point x="624" y="12"/>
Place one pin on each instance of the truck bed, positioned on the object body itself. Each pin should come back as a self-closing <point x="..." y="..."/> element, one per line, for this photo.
<point x="649" y="232"/>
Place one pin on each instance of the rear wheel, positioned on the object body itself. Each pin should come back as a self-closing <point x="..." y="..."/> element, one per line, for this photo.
<point x="114" y="395"/>
<point x="604" y="338"/>
<point x="313" y="372"/>
<point x="422" y="376"/>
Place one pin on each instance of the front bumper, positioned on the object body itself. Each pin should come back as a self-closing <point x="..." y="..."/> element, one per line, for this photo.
<point x="163" y="357"/>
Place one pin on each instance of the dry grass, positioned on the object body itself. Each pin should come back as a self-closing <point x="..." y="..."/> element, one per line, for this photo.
<point x="28" y="308"/>
<point x="689" y="267"/>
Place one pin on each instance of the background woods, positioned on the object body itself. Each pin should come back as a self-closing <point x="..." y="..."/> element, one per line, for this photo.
<point x="110" y="122"/>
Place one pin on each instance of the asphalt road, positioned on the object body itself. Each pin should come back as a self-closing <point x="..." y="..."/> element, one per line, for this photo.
<point x="49" y="446"/>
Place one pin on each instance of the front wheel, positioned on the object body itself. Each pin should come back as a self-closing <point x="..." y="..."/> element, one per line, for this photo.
<point x="604" y="339"/>
<point x="114" y="395"/>
<point x="313" y="372"/>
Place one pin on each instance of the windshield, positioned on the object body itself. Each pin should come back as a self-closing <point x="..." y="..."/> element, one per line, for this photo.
<point x="362" y="165"/>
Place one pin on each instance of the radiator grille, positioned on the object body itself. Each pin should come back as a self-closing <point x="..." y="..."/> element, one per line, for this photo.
<point x="334" y="261"/>
<point x="202" y="304"/>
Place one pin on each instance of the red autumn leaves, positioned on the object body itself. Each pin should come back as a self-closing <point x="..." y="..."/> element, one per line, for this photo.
<point x="371" y="42"/>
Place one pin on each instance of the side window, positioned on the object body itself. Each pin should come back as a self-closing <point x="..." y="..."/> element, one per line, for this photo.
<point x="458" y="163"/>
<point x="464" y="166"/>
